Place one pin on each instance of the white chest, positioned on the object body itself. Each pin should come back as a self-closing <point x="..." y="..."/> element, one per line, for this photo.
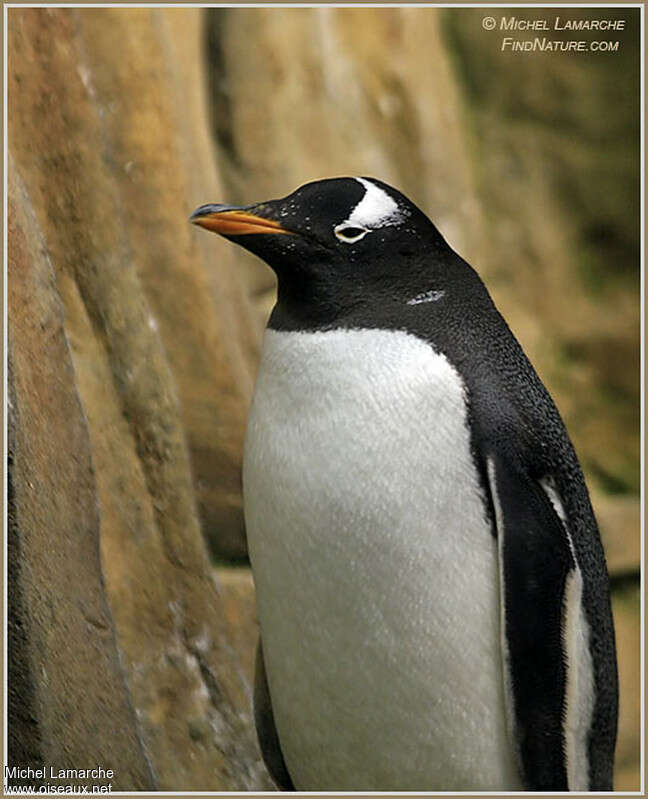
<point x="375" y="568"/>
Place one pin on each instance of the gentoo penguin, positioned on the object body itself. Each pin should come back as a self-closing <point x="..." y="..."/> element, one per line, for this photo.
<point x="432" y="592"/>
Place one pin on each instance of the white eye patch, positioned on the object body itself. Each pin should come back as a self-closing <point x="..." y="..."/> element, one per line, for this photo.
<point x="375" y="210"/>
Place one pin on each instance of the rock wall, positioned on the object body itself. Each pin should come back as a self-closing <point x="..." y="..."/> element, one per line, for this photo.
<point x="66" y="686"/>
<point x="134" y="337"/>
<point x="109" y="157"/>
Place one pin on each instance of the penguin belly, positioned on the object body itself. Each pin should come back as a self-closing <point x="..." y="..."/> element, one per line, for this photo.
<point x="375" y="567"/>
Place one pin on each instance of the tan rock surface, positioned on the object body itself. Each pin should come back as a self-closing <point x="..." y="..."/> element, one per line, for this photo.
<point x="158" y="141"/>
<point x="68" y="702"/>
<point x="627" y="615"/>
<point x="116" y="235"/>
<point x="236" y="590"/>
<point x="619" y="520"/>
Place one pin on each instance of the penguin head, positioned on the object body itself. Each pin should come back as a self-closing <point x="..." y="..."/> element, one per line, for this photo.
<point x="334" y="240"/>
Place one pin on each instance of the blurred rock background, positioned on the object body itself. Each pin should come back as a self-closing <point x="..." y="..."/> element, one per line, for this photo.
<point x="134" y="338"/>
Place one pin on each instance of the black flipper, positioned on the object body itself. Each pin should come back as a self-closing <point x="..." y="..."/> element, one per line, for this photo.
<point x="265" y="726"/>
<point x="535" y="563"/>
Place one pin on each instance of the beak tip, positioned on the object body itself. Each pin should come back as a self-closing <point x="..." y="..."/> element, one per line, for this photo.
<point x="200" y="212"/>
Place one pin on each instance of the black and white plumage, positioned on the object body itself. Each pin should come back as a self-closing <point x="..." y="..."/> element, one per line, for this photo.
<point x="432" y="592"/>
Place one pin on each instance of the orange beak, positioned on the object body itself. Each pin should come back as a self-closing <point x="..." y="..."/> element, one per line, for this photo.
<point x="231" y="221"/>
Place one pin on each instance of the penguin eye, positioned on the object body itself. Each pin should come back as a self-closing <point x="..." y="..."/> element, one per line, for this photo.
<point x="349" y="234"/>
